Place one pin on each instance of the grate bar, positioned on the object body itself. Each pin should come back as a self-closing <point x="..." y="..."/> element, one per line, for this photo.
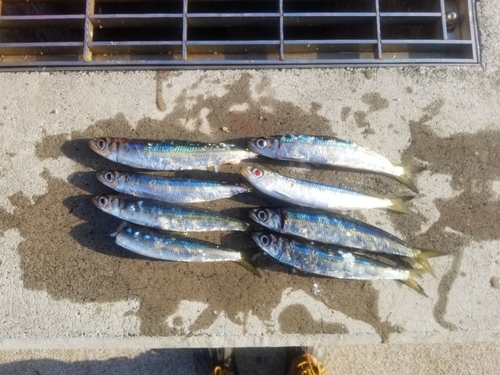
<point x="219" y="33"/>
<point x="378" y="53"/>
<point x="184" y="30"/>
<point x="443" y="19"/>
<point x="89" y="31"/>
<point x="282" y="34"/>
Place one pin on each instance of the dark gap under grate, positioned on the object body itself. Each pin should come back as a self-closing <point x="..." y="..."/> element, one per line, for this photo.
<point x="102" y="34"/>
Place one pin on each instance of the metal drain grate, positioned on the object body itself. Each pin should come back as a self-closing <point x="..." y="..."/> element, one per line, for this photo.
<point x="202" y="33"/>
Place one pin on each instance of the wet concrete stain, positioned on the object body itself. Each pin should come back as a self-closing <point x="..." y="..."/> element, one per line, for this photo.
<point x="375" y="101"/>
<point x="368" y="131"/>
<point x="473" y="162"/>
<point x="67" y="251"/>
<point x="345" y="113"/>
<point x="297" y="319"/>
<point x="360" y="118"/>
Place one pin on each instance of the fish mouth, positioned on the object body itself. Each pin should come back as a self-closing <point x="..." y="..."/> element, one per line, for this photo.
<point x="93" y="145"/>
<point x="253" y="216"/>
<point x="251" y="145"/>
<point x="95" y="201"/>
<point x="105" y="147"/>
<point x="246" y="172"/>
<point x="100" y="177"/>
<point x="255" y="237"/>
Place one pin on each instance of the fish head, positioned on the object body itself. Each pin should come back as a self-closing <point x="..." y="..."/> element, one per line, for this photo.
<point x="112" y="179"/>
<point x="107" y="203"/>
<point x="267" y="217"/>
<point x="265" y="146"/>
<point x="268" y="242"/>
<point x="106" y="147"/>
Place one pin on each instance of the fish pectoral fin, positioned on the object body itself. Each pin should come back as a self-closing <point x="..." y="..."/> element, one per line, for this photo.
<point x="295" y="158"/>
<point x="284" y="195"/>
<point x="249" y="266"/>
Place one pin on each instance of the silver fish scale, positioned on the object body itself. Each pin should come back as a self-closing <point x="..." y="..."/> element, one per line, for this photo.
<point x="343" y="232"/>
<point x="174" y="190"/>
<point x="332" y="152"/>
<point x="321" y="260"/>
<point x="171" y="217"/>
<point x="314" y="195"/>
<point x="171" y="247"/>
<point x="179" y="159"/>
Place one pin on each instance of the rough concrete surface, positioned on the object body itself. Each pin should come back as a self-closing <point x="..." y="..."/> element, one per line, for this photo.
<point x="64" y="284"/>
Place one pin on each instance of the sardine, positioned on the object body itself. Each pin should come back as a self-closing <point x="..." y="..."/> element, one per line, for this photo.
<point x="168" y="189"/>
<point x="311" y="194"/>
<point x="341" y="230"/>
<point x="168" y="246"/>
<point x="330" y="151"/>
<point x="168" y="155"/>
<point x="166" y="216"/>
<point x="330" y="261"/>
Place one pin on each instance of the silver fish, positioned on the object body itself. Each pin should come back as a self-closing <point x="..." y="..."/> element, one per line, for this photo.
<point x="330" y="261"/>
<point x="168" y="155"/>
<point x="310" y="194"/>
<point x="330" y="151"/>
<point x="168" y="246"/>
<point x="168" y="189"/>
<point x="337" y="229"/>
<point x="166" y="216"/>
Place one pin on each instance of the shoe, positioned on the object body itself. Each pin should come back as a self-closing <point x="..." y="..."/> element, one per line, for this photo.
<point x="306" y="363"/>
<point x="214" y="362"/>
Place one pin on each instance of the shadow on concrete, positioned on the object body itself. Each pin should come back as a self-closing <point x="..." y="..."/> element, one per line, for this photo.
<point x="250" y="361"/>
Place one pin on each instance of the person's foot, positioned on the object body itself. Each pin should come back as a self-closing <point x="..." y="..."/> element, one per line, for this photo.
<point x="214" y="362"/>
<point x="309" y="361"/>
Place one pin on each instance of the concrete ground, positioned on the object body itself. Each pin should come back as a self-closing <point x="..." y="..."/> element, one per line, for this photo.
<point x="401" y="359"/>
<point x="65" y="285"/>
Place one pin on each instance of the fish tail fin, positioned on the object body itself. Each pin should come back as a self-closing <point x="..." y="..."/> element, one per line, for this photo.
<point x="412" y="283"/>
<point x="424" y="255"/>
<point x="413" y="169"/>
<point x="245" y="263"/>
<point x="405" y="179"/>
<point x="397" y="204"/>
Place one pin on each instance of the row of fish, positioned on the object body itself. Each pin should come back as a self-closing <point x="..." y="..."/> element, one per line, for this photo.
<point x="155" y="206"/>
<point x="183" y="155"/>
<point x="328" y="228"/>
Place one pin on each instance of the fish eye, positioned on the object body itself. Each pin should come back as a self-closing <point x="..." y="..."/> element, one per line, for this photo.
<point x="109" y="177"/>
<point x="265" y="240"/>
<point x="101" y="144"/>
<point x="262" y="215"/>
<point x="261" y="143"/>
<point x="257" y="172"/>
<point x="103" y="201"/>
